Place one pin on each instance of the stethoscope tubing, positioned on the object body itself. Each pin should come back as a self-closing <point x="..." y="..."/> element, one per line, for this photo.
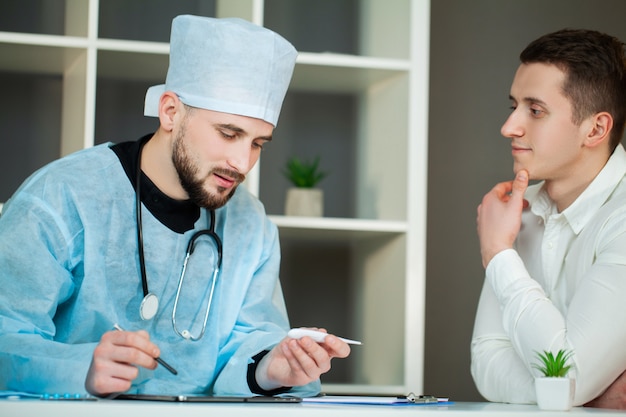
<point x="149" y="304"/>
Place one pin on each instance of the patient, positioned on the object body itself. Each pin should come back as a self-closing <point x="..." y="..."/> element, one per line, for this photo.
<point x="555" y="252"/>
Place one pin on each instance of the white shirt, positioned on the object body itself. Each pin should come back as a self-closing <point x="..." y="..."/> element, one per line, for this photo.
<point x="563" y="286"/>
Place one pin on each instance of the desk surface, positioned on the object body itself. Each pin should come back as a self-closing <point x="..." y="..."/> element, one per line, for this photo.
<point x="116" y="408"/>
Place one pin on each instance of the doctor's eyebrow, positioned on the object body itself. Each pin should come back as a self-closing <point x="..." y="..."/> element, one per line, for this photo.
<point x="239" y="130"/>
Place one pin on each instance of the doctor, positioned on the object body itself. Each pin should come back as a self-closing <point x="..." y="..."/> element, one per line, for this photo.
<point x="100" y="238"/>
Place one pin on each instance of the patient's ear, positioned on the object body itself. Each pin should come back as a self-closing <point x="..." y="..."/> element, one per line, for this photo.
<point x="600" y="128"/>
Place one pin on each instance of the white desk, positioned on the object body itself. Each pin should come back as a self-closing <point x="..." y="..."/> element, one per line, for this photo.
<point x="109" y="408"/>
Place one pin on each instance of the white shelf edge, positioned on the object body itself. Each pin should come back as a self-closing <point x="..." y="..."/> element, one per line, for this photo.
<point x="339" y="224"/>
<point x="356" y="61"/>
<point x="34" y="39"/>
<point x="122" y="45"/>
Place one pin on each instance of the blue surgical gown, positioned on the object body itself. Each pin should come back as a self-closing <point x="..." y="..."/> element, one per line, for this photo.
<point x="69" y="270"/>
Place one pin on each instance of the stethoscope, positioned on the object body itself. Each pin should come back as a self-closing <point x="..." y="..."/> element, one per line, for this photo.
<point x="150" y="303"/>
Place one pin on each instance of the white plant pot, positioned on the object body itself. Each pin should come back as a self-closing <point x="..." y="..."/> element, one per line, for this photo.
<point x="555" y="393"/>
<point x="307" y="202"/>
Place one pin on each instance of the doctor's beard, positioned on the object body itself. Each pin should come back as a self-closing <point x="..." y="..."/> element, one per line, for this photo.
<point x="192" y="184"/>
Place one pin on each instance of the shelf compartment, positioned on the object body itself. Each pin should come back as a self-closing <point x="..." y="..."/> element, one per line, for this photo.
<point x="33" y="16"/>
<point x="318" y="26"/>
<point x="354" y="27"/>
<point x="149" y="66"/>
<point x="343" y="73"/>
<point x="146" y="20"/>
<point x="31" y="111"/>
<point x="39" y="54"/>
<point x="353" y="287"/>
<point x="124" y="99"/>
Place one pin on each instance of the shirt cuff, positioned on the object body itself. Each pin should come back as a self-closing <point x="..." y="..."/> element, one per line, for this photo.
<point x="504" y="269"/>
<point x="252" y="382"/>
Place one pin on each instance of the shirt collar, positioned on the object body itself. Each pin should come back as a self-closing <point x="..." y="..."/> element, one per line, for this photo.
<point x="580" y="212"/>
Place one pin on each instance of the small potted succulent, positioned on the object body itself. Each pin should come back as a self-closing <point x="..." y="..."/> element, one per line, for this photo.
<point x="303" y="198"/>
<point x="554" y="389"/>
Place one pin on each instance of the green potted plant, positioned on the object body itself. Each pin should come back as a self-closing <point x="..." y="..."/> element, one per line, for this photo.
<point x="303" y="198"/>
<point x="554" y="389"/>
<point x="303" y="174"/>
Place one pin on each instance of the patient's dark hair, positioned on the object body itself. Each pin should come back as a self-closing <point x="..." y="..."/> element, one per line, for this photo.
<point x="594" y="64"/>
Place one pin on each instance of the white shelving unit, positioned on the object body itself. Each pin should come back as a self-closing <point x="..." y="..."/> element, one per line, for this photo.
<point x="367" y="257"/>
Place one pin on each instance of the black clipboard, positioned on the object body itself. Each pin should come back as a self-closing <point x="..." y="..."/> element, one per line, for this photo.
<point x="207" y="398"/>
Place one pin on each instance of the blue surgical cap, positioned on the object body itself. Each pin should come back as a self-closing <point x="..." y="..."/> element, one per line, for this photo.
<point x="226" y="65"/>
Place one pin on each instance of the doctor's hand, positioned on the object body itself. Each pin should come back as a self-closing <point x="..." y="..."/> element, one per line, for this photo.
<point x="296" y="362"/>
<point x="500" y="216"/>
<point x="115" y="360"/>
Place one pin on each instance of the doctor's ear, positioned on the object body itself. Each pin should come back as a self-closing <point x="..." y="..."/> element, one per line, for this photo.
<point x="168" y="106"/>
<point x="601" y="126"/>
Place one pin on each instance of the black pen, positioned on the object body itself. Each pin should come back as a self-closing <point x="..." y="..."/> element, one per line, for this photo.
<point x="159" y="360"/>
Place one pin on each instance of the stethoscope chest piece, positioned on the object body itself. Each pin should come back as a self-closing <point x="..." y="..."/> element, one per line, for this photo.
<point x="149" y="306"/>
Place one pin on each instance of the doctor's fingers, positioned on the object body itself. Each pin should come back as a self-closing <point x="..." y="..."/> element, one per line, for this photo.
<point x="106" y="377"/>
<point x="335" y="347"/>
<point x="139" y="340"/>
<point x="126" y="348"/>
<point x="311" y="357"/>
